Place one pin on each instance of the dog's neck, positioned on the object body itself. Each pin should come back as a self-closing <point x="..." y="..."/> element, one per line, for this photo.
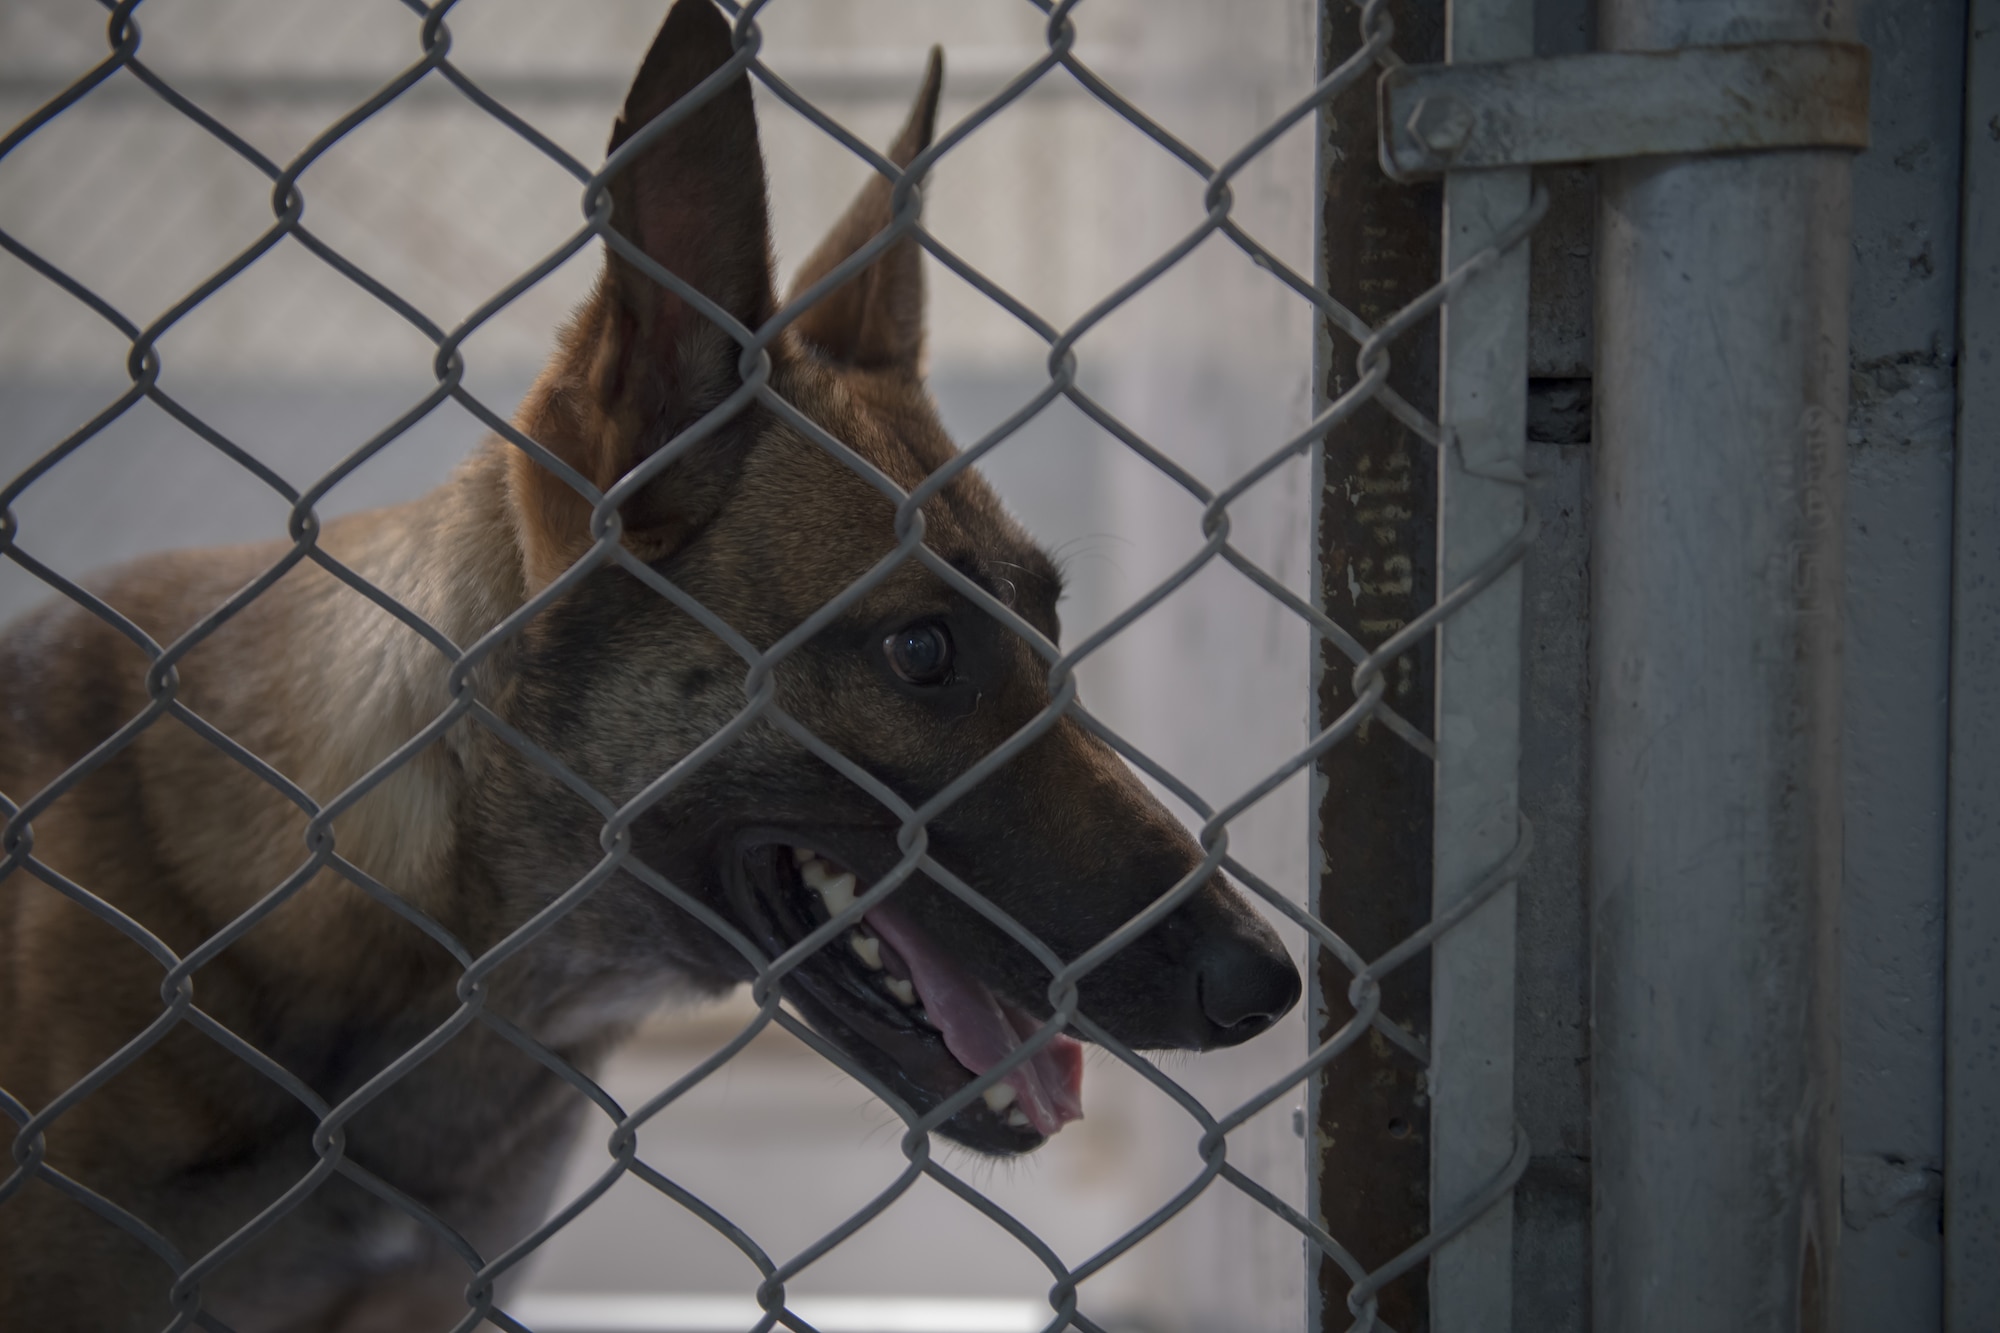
<point x="450" y="558"/>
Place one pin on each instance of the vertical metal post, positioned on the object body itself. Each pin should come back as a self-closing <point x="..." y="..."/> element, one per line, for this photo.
<point x="1375" y="546"/>
<point x="1482" y="505"/>
<point x="1972" y="911"/>
<point x="1716" y="592"/>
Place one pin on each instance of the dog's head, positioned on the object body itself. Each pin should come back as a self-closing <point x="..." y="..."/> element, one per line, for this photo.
<point x="913" y="682"/>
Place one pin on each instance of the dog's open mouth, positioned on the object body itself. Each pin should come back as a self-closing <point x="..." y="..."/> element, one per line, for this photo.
<point x="892" y="997"/>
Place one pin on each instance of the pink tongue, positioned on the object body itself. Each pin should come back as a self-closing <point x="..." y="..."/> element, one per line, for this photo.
<point x="980" y="1029"/>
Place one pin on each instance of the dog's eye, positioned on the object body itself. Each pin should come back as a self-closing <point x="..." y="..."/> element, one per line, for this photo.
<point x="920" y="654"/>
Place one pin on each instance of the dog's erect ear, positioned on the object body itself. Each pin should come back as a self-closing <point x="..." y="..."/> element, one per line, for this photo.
<point x="641" y="363"/>
<point x="875" y="320"/>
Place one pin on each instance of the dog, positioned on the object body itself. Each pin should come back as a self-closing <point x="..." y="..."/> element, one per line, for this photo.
<point x="485" y="825"/>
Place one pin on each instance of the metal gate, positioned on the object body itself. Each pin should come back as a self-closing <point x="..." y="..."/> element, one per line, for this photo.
<point x="1739" y="1115"/>
<point x="1709" y="638"/>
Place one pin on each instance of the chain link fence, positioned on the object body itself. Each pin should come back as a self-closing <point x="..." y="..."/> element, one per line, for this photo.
<point x="469" y="668"/>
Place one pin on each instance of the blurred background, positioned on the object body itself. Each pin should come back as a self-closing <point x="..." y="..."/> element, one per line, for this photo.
<point x="1058" y="199"/>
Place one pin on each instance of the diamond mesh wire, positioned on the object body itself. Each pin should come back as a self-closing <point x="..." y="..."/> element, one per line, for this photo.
<point x="185" y="1274"/>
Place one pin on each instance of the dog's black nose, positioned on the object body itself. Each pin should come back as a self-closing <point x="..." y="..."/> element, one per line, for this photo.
<point x="1243" y="984"/>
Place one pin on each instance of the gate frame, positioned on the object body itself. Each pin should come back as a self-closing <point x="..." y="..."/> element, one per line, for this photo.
<point x="1742" y="679"/>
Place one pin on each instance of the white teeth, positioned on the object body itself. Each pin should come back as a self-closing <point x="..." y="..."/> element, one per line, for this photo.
<point x="838" y="892"/>
<point x="999" y="1097"/>
<point x="1017" y="1118"/>
<point x="836" y="889"/>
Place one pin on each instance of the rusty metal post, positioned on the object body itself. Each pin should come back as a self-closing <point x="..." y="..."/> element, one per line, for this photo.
<point x="1379" y="246"/>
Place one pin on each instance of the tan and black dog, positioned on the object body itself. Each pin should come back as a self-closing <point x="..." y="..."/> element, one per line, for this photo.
<point x="763" y="527"/>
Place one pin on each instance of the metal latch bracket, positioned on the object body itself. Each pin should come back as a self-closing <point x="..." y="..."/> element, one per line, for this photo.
<point x="1617" y="104"/>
